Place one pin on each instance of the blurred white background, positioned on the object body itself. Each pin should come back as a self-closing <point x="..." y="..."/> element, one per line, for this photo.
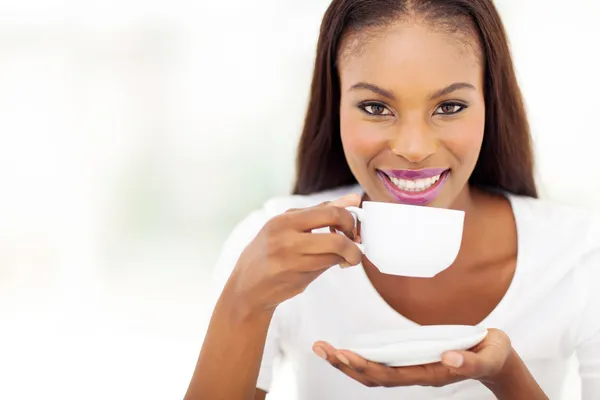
<point x="135" y="134"/>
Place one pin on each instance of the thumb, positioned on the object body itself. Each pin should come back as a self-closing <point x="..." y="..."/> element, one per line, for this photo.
<point x="474" y="365"/>
<point x="346" y="201"/>
<point x="352" y="199"/>
<point x="484" y="360"/>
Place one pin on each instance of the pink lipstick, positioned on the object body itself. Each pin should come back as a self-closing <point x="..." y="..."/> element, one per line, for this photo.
<point x="415" y="187"/>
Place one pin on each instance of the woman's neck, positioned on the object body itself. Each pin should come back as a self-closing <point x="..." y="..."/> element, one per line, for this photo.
<point x="489" y="231"/>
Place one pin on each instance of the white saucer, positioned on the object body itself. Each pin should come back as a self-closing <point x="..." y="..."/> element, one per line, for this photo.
<point x="415" y="346"/>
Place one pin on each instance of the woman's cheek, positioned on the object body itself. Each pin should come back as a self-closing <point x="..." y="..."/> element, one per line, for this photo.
<point x="463" y="140"/>
<point x="360" y="140"/>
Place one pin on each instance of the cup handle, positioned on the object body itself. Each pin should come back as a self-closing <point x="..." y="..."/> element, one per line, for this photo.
<point x="358" y="214"/>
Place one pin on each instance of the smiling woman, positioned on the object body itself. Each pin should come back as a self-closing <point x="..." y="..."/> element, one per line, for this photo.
<point x="412" y="103"/>
<point x="462" y="56"/>
<point x="431" y="115"/>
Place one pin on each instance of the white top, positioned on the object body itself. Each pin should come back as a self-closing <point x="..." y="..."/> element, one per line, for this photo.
<point x="550" y="311"/>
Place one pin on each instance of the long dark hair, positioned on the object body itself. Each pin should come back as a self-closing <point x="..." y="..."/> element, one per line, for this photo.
<point x="506" y="158"/>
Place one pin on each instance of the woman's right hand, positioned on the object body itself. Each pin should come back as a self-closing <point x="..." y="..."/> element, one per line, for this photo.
<point x="285" y="257"/>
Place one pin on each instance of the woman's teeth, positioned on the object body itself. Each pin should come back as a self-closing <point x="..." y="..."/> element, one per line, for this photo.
<point x="415" y="185"/>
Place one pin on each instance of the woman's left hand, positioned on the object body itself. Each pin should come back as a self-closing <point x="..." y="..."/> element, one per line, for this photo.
<point x="483" y="362"/>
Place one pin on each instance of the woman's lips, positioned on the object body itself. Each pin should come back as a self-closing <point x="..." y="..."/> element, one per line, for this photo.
<point x="415" y="187"/>
<point x="414" y="173"/>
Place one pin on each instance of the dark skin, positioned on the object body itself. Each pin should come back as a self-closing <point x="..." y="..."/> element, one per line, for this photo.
<point x="422" y="106"/>
<point x="421" y="119"/>
<point x="453" y="291"/>
<point x="409" y="125"/>
<point x="448" y="297"/>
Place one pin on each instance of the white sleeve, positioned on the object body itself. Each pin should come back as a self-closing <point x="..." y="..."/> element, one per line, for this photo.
<point x="588" y="349"/>
<point x="237" y="241"/>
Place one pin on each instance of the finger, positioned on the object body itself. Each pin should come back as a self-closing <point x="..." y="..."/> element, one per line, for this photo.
<point x="343" y="202"/>
<point x="357" y="240"/>
<point x="345" y="264"/>
<point x="473" y="365"/>
<point x="486" y="359"/>
<point x="320" y="217"/>
<point x="370" y="373"/>
<point x="328" y="353"/>
<point x="351" y="235"/>
<point x="330" y="243"/>
<point x="422" y="375"/>
<point x="380" y="374"/>
<point x="320" y="262"/>
<point x="368" y="370"/>
<point x="347" y="201"/>
<point x="384" y="375"/>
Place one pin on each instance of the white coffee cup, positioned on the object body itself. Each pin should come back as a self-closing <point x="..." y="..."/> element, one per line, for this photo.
<point x="408" y="240"/>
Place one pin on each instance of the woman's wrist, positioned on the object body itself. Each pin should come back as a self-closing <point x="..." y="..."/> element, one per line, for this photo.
<point x="514" y="381"/>
<point x="241" y="308"/>
<point x="233" y="347"/>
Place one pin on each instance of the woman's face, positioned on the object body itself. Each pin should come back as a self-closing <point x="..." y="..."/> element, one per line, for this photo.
<point x="412" y="114"/>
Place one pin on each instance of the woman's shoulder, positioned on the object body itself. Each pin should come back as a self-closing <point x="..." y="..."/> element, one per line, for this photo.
<point x="560" y="238"/>
<point x="554" y="220"/>
<point x="561" y="255"/>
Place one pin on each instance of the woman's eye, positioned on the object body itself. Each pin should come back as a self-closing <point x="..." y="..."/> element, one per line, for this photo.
<point x="450" y="108"/>
<point x="376" y="109"/>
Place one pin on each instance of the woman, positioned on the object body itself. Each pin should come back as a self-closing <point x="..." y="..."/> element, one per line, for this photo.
<point x="415" y="102"/>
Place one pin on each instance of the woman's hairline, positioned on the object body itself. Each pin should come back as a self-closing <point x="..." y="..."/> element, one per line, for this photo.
<point x="466" y="34"/>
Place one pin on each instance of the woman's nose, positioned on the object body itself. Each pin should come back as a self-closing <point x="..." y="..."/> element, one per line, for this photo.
<point x="414" y="144"/>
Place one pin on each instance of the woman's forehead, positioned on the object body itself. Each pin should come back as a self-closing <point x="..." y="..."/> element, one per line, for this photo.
<point x="410" y="54"/>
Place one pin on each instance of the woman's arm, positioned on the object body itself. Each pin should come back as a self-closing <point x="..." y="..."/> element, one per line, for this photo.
<point x="515" y="381"/>
<point x="279" y="263"/>
<point x="231" y="355"/>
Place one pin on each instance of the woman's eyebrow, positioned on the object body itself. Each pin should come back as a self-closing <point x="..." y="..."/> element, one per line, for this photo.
<point x="374" y="88"/>
<point x="451" y="88"/>
<point x="390" y="95"/>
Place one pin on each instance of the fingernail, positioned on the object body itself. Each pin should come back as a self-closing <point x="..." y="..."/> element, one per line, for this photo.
<point x="454" y="360"/>
<point x="320" y="352"/>
<point x="343" y="359"/>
